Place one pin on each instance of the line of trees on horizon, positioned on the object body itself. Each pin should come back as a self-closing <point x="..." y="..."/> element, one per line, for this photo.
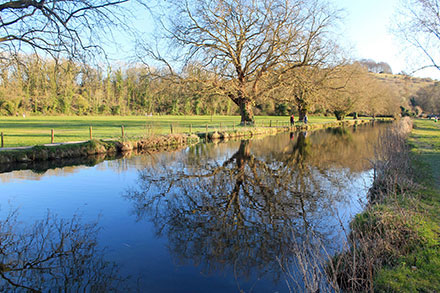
<point x="37" y="86"/>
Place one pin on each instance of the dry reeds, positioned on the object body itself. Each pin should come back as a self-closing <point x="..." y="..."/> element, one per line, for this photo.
<point x="391" y="164"/>
<point x="383" y="232"/>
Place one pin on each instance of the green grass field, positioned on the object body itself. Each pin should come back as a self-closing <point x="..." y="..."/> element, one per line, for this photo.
<point x="425" y="142"/>
<point x="29" y="131"/>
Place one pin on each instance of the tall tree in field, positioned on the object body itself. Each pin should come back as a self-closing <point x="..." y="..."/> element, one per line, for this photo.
<point x="248" y="42"/>
<point x="67" y="27"/>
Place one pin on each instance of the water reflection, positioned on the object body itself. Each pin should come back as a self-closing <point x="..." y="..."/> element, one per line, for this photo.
<point x="40" y="168"/>
<point x="249" y="213"/>
<point x="274" y="204"/>
<point x="54" y="255"/>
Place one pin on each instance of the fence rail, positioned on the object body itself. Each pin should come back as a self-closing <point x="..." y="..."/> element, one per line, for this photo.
<point x="12" y="138"/>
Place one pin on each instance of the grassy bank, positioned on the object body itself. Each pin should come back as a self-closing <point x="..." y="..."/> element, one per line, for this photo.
<point x="29" y="131"/>
<point x="419" y="269"/>
<point x="92" y="147"/>
<point x="394" y="244"/>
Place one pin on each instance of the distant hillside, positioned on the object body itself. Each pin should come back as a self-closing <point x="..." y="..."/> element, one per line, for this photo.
<point x="406" y="86"/>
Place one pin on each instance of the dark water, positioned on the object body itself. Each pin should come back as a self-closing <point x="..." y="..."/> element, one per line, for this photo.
<point x="255" y="216"/>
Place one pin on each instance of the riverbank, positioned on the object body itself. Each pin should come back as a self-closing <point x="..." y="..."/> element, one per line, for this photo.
<point x="92" y="147"/>
<point x="418" y="269"/>
<point x="394" y="245"/>
<point x="95" y="147"/>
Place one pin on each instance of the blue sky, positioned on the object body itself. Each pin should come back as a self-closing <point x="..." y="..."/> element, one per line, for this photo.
<point x="365" y="32"/>
<point x="366" y="23"/>
<point x="368" y="26"/>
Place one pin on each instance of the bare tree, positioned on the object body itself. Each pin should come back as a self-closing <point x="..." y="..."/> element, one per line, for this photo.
<point x="250" y="45"/>
<point x="347" y="90"/>
<point x="420" y="27"/>
<point x="66" y="27"/>
<point x="307" y="88"/>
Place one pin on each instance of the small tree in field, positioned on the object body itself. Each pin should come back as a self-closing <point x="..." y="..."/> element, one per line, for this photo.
<point x="346" y="90"/>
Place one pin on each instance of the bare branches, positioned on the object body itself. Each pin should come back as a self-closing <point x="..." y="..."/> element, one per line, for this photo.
<point x="53" y="254"/>
<point x="419" y="26"/>
<point x="56" y="27"/>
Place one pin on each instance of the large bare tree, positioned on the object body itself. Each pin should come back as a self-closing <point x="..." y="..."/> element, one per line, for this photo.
<point x="250" y="45"/>
<point x="56" y="27"/>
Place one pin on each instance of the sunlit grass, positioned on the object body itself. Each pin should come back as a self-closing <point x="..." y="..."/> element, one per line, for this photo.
<point x="425" y="137"/>
<point x="425" y="142"/>
<point x="36" y="130"/>
<point x="419" y="271"/>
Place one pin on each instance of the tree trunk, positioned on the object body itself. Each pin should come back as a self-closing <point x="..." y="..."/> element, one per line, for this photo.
<point x="302" y="112"/>
<point x="246" y="112"/>
<point x="243" y="155"/>
<point x="340" y="115"/>
<point x="302" y="105"/>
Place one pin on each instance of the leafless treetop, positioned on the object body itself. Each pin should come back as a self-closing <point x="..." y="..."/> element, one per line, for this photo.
<point x="56" y="27"/>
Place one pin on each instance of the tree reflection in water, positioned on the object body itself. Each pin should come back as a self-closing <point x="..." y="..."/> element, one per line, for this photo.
<point x="255" y="214"/>
<point x="54" y="255"/>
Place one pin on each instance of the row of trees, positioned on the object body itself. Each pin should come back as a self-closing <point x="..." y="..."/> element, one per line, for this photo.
<point x="40" y="86"/>
<point x="266" y="55"/>
<point x="34" y="85"/>
<point x="376" y="67"/>
<point x="215" y="57"/>
<point x="271" y="56"/>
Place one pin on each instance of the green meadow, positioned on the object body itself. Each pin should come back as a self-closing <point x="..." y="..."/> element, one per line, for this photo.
<point x="29" y="131"/>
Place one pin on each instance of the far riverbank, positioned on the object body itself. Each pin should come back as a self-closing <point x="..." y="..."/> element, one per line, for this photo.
<point x="57" y="151"/>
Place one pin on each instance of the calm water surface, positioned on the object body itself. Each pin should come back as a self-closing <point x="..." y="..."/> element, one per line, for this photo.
<point x="250" y="215"/>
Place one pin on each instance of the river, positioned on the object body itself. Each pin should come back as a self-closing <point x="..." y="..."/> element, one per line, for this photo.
<point x="260" y="215"/>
